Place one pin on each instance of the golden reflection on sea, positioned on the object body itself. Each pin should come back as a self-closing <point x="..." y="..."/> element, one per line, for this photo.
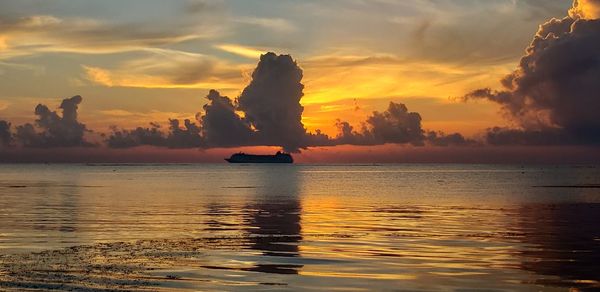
<point x="299" y="227"/>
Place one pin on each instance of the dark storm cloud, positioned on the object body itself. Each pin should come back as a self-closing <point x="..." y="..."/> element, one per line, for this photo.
<point x="271" y="102"/>
<point x="556" y="88"/>
<point x="5" y="134"/>
<point x="52" y="129"/>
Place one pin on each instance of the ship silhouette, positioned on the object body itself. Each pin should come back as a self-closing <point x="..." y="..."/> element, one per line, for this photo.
<point x="279" y="157"/>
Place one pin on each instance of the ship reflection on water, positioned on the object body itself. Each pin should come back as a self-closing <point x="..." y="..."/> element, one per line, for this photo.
<point x="275" y="231"/>
<point x="274" y="221"/>
<point x="271" y="222"/>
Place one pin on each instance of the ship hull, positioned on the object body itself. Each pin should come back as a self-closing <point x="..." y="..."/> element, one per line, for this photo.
<point x="245" y="158"/>
<point x="256" y="161"/>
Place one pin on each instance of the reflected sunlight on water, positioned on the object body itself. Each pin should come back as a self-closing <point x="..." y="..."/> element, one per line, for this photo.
<point x="347" y="227"/>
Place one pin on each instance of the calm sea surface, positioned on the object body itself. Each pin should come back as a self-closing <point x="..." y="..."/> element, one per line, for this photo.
<point x="301" y="227"/>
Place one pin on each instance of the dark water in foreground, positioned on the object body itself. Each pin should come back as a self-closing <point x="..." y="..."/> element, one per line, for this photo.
<point x="301" y="227"/>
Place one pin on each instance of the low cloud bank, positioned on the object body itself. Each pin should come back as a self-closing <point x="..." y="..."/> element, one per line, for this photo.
<point x="268" y="112"/>
<point x="50" y="129"/>
<point x="396" y="125"/>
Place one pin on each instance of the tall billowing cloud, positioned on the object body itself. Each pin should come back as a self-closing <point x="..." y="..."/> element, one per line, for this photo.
<point x="271" y="108"/>
<point x="221" y="125"/>
<point x="52" y="129"/>
<point x="556" y="88"/>
<point x="271" y="102"/>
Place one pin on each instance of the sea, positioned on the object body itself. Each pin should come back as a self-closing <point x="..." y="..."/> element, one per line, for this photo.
<point x="236" y="227"/>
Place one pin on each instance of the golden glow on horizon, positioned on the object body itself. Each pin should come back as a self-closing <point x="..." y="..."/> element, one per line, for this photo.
<point x="339" y="81"/>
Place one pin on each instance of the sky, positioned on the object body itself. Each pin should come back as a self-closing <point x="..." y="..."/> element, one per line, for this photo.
<point x="360" y="73"/>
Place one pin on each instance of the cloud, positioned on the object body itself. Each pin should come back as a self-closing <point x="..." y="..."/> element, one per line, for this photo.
<point x="186" y="136"/>
<point x="178" y="136"/>
<point x="243" y="51"/>
<point x="46" y="33"/>
<point x="507" y="136"/>
<point x="268" y="112"/>
<point x="269" y="109"/>
<point x="271" y="102"/>
<point x="120" y="138"/>
<point x="274" y="24"/>
<point x="585" y="9"/>
<point x="5" y="134"/>
<point x="162" y="68"/>
<point x="52" y="129"/>
<point x="221" y="125"/>
<point x="555" y="87"/>
<point x="396" y="125"/>
<point x="454" y="139"/>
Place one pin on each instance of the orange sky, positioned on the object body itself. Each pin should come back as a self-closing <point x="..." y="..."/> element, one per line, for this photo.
<point x="148" y="61"/>
<point x="132" y="71"/>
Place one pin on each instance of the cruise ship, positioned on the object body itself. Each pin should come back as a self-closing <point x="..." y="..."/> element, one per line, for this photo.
<point x="279" y="157"/>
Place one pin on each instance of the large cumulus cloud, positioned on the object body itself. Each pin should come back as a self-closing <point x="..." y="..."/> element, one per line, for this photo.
<point x="554" y="94"/>
<point x="272" y="115"/>
<point x="271" y="102"/>
<point x="395" y="125"/>
<point x="271" y="107"/>
<point x="52" y="129"/>
<point x="221" y="125"/>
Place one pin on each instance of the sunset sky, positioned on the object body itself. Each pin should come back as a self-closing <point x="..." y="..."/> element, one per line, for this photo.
<point x="140" y="61"/>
